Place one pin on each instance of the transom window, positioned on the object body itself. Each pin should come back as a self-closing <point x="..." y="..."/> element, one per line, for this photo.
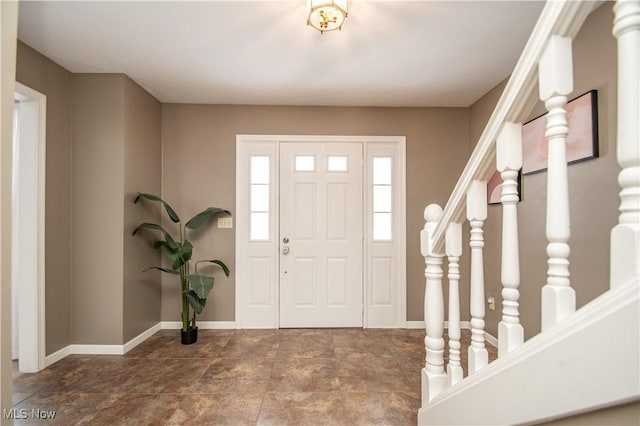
<point x="305" y="163"/>
<point x="337" y="163"/>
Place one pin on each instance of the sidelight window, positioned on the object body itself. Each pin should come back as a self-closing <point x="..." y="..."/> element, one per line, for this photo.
<point x="382" y="198"/>
<point x="259" y="198"/>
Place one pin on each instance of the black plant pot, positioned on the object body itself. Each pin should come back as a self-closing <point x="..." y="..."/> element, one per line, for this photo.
<point x="190" y="336"/>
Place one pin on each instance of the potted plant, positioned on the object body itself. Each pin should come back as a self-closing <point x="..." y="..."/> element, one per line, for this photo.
<point x="194" y="286"/>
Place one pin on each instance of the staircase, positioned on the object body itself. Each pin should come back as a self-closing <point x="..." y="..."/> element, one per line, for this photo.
<point x="584" y="359"/>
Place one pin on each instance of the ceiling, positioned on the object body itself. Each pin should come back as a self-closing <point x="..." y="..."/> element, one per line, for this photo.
<point x="389" y="53"/>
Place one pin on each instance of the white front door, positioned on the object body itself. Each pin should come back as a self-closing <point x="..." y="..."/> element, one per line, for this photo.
<point x="321" y="229"/>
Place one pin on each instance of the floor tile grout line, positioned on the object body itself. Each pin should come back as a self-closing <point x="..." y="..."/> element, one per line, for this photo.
<point x="264" y="394"/>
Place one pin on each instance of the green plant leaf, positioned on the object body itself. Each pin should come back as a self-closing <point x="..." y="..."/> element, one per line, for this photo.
<point x="204" y="216"/>
<point x="160" y="243"/>
<point x="172" y="214"/>
<point x="196" y="302"/>
<point x="171" y="254"/>
<point x="182" y="255"/>
<point x="167" y="248"/>
<point x="220" y="263"/>
<point x="169" y="239"/>
<point x="201" y="284"/>
<point x="168" y="271"/>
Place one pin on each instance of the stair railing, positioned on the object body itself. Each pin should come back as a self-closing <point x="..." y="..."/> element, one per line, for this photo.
<point x="546" y="61"/>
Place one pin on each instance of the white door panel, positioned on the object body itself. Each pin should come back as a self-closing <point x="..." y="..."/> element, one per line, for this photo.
<point x="321" y="235"/>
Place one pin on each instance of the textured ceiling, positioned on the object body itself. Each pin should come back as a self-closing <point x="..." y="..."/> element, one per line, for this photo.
<point x="389" y="53"/>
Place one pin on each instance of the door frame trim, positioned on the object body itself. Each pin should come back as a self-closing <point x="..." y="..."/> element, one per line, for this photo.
<point x="271" y="319"/>
<point x="31" y="303"/>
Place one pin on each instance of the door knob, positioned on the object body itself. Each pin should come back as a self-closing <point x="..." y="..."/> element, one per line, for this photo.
<point x="285" y="250"/>
<point x="285" y="240"/>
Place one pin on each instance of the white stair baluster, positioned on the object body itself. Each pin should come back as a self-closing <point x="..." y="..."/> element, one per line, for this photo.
<point x="625" y="237"/>
<point x="509" y="162"/>
<point x="555" y="83"/>
<point x="434" y="379"/>
<point x="477" y="214"/>
<point x="453" y="248"/>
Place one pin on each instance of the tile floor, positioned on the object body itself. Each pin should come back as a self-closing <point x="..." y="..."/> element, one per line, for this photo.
<point x="238" y="377"/>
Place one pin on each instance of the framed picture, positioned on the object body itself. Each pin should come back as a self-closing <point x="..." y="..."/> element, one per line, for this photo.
<point x="582" y="141"/>
<point x="494" y="188"/>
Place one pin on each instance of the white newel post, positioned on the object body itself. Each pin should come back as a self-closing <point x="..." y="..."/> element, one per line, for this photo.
<point x="555" y="83"/>
<point x="477" y="214"/>
<point x="509" y="162"/>
<point x="434" y="379"/>
<point x="625" y="237"/>
<point x="453" y="248"/>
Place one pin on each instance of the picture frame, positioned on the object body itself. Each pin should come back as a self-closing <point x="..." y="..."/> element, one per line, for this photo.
<point x="582" y="141"/>
<point x="494" y="188"/>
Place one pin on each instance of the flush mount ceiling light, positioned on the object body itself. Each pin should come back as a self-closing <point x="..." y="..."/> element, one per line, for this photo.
<point x="326" y="15"/>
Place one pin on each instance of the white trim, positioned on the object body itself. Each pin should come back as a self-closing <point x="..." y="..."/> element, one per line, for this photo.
<point x="417" y="325"/>
<point x="464" y="325"/>
<point x="97" y="349"/>
<point x="57" y="356"/>
<point x="393" y="315"/>
<point x="561" y="18"/>
<point x="80" y="349"/>
<point x="202" y="325"/>
<point x="270" y="319"/>
<point x="141" y="337"/>
<point x="263" y="314"/>
<point x="492" y="340"/>
<point x="31" y="301"/>
<point x="563" y="367"/>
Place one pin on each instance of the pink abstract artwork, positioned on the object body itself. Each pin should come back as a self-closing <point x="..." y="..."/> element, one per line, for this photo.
<point x="582" y="141"/>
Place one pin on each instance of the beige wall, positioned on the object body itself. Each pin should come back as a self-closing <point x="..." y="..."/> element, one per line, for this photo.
<point x="114" y="121"/>
<point x="199" y="170"/>
<point x="593" y="187"/>
<point x="45" y="76"/>
<point x="142" y="163"/>
<point x="116" y="153"/>
<point x="98" y="208"/>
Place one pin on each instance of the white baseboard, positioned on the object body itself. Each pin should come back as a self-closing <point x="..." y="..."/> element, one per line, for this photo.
<point x="57" y="356"/>
<point x="464" y="325"/>
<point x="97" y="349"/>
<point x="80" y="349"/>
<point x="141" y="338"/>
<point x="202" y="325"/>
<point x="492" y="340"/>
<point x="415" y="325"/>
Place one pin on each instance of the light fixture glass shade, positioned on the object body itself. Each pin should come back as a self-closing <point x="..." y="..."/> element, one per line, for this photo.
<point x="326" y="15"/>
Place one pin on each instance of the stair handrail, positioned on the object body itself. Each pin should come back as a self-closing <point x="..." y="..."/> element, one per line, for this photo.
<point x="558" y="18"/>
